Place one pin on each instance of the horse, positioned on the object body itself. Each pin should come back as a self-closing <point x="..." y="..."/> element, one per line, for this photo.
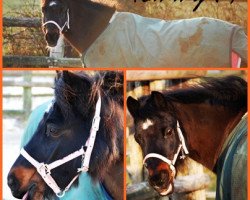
<point x="205" y="122"/>
<point x="80" y="132"/>
<point x="104" y="37"/>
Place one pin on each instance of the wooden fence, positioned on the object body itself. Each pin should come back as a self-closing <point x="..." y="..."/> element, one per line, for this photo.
<point x="26" y="80"/>
<point x="56" y="58"/>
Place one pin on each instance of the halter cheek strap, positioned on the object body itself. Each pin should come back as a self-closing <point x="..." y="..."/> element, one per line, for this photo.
<point x="45" y="169"/>
<point x="57" y="25"/>
<point x="182" y="147"/>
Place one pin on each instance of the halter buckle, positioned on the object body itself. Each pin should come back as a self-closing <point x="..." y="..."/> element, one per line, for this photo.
<point x="43" y="170"/>
<point x="60" y="194"/>
<point x="82" y="169"/>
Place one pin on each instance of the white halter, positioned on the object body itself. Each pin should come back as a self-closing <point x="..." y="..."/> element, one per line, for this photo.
<point x="45" y="169"/>
<point x="57" y="25"/>
<point x="182" y="146"/>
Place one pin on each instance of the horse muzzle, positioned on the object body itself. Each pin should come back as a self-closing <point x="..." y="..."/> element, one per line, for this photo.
<point x="52" y="37"/>
<point x="25" y="189"/>
<point x="162" y="182"/>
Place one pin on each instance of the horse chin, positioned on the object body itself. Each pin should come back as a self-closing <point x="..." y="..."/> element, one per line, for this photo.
<point x="164" y="192"/>
<point x="51" y="44"/>
<point x="32" y="194"/>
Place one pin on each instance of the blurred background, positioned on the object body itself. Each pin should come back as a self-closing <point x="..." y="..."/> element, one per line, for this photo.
<point x="27" y="38"/>
<point x="142" y="82"/>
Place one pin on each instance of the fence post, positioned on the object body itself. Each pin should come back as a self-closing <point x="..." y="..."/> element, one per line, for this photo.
<point x="27" y="93"/>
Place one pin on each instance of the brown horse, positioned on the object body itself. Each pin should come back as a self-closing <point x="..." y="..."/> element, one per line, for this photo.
<point x="194" y="121"/>
<point x="106" y="38"/>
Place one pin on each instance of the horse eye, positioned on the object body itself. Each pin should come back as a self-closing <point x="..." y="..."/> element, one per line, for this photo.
<point x="168" y="132"/>
<point x="52" y="131"/>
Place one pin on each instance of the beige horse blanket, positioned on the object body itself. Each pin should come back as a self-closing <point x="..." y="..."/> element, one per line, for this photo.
<point x="131" y="40"/>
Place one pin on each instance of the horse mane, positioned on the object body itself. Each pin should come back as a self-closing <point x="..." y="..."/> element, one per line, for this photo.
<point x="109" y="141"/>
<point x="230" y="91"/>
<point x="90" y="4"/>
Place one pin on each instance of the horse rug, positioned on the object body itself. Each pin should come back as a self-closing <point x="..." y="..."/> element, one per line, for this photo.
<point x="131" y="40"/>
<point x="232" y="165"/>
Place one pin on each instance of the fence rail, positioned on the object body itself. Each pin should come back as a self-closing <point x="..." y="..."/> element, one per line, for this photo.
<point x="22" y="22"/>
<point x="27" y="83"/>
<point x="40" y="61"/>
<point x="183" y="184"/>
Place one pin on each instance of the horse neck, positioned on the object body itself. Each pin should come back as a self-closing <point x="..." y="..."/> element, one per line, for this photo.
<point x="87" y="22"/>
<point x="206" y="128"/>
<point x="114" y="181"/>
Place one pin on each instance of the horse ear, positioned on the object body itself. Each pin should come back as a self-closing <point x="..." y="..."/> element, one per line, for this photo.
<point x="58" y="74"/>
<point x="158" y="99"/>
<point x="76" y="82"/>
<point x="67" y="76"/>
<point x="133" y="106"/>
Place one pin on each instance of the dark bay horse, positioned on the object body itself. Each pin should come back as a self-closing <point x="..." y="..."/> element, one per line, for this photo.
<point x="196" y="122"/>
<point x="81" y="131"/>
<point x="106" y="38"/>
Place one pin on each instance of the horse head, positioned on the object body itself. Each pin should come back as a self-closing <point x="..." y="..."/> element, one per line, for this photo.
<point x="55" y="20"/>
<point x="158" y="134"/>
<point x="65" y="128"/>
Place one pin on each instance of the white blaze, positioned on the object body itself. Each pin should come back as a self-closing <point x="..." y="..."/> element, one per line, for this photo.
<point x="52" y="3"/>
<point x="147" y="124"/>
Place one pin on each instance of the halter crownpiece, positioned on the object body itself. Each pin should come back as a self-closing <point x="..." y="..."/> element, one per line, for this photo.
<point x="181" y="148"/>
<point x="45" y="169"/>
<point x="57" y="25"/>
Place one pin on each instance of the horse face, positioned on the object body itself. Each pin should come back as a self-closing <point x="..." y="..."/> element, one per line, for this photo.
<point x="56" y="12"/>
<point x="59" y="133"/>
<point x="155" y="132"/>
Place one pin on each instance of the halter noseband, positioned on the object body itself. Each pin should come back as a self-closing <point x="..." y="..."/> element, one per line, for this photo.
<point x="181" y="148"/>
<point x="45" y="169"/>
<point x="57" y="25"/>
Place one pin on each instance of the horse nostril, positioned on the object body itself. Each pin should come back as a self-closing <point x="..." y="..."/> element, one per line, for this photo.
<point x="164" y="175"/>
<point x="13" y="183"/>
